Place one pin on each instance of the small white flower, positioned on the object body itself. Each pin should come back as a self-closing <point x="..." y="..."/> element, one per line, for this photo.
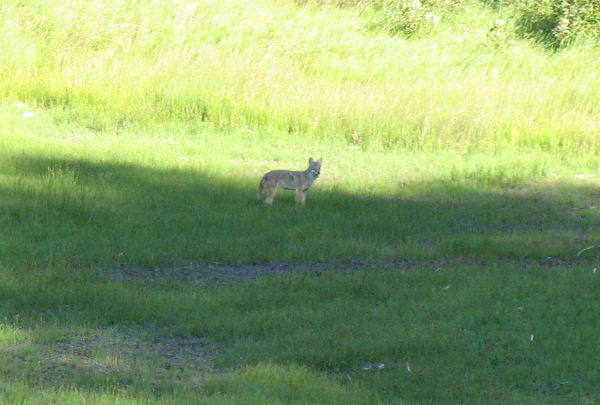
<point x="531" y="338"/>
<point x="500" y="22"/>
<point x="28" y="114"/>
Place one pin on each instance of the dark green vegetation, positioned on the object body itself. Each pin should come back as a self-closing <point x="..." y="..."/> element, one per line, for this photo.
<point x="444" y="332"/>
<point x="439" y="259"/>
<point x="553" y="23"/>
<point x="99" y="214"/>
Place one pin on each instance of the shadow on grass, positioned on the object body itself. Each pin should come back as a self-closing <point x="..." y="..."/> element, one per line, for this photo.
<point x="77" y="213"/>
<point x="64" y="222"/>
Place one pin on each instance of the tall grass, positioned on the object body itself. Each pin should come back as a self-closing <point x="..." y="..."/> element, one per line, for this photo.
<point x="316" y="71"/>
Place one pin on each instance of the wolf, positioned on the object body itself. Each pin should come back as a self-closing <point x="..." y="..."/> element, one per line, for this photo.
<point x="289" y="180"/>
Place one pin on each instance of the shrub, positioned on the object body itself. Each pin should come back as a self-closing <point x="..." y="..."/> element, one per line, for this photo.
<point x="556" y="23"/>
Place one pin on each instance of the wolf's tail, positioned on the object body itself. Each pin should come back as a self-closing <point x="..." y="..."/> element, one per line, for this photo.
<point x="261" y="187"/>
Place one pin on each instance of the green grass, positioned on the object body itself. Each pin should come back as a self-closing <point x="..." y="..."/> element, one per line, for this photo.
<point x="316" y="71"/>
<point x="79" y="206"/>
<point x="459" y="183"/>
<point x="92" y="200"/>
<point x="496" y="332"/>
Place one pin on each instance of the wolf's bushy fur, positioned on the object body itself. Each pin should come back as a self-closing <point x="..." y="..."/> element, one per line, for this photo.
<point x="290" y="180"/>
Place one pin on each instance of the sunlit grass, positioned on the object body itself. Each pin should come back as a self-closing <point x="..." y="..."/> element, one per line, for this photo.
<point x="317" y="71"/>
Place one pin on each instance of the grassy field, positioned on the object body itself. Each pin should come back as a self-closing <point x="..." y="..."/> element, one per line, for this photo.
<point x="439" y="258"/>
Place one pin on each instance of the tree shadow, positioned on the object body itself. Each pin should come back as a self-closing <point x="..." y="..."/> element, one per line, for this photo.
<point x="80" y="213"/>
<point x="66" y="221"/>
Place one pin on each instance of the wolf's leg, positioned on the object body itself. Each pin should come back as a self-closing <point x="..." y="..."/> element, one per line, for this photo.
<point x="300" y="196"/>
<point x="272" y="190"/>
<point x="260" y="189"/>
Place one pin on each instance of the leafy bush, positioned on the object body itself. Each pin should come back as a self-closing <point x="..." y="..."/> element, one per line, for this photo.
<point x="557" y="23"/>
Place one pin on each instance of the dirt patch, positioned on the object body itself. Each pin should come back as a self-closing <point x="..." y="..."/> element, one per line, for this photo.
<point x="216" y="274"/>
<point x="222" y="275"/>
<point x="115" y="351"/>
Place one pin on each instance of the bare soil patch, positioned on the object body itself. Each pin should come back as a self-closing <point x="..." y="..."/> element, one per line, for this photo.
<point x="217" y="274"/>
<point x="222" y="275"/>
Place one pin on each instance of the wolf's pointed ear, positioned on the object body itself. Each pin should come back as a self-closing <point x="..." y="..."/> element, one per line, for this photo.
<point x="310" y="161"/>
<point x="320" y="161"/>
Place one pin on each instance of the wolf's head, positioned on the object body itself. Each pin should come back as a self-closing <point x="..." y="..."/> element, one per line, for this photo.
<point x="314" y="167"/>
